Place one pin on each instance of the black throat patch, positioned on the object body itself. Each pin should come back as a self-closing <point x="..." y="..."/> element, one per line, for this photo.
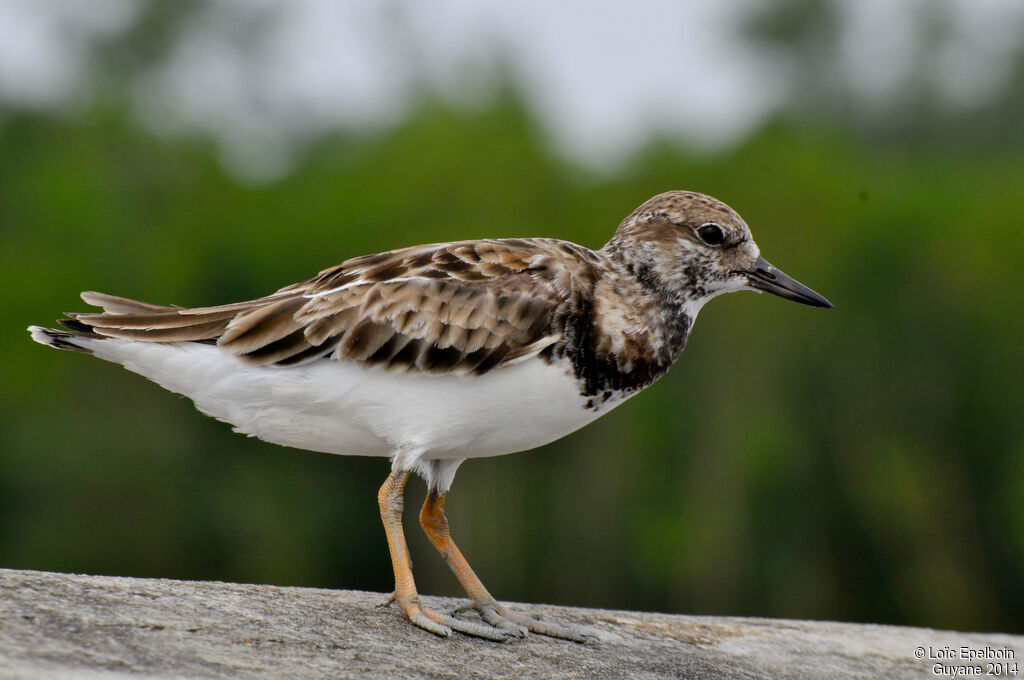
<point x="604" y="374"/>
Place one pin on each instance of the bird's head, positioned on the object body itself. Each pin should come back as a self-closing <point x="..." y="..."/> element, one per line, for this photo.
<point x="695" y="247"/>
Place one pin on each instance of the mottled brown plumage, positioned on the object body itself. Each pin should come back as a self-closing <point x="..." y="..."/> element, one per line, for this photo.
<point x="461" y="308"/>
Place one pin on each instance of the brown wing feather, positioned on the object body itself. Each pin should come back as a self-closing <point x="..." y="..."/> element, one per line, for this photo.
<point x="463" y="307"/>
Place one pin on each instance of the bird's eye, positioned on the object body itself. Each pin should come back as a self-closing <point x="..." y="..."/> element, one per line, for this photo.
<point x="711" y="234"/>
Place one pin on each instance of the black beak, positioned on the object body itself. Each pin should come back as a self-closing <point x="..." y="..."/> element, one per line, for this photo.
<point x="769" y="279"/>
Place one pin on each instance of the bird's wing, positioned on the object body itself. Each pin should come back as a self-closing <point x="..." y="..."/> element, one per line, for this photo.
<point x="462" y="307"/>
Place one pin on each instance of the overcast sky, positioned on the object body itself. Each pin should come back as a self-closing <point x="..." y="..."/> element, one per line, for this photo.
<point x="260" y="74"/>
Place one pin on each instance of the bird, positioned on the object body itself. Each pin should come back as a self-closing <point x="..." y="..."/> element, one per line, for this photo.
<point x="435" y="354"/>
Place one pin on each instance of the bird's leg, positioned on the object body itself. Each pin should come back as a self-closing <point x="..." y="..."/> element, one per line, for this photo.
<point x="390" y="499"/>
<point x="435" y="525"/>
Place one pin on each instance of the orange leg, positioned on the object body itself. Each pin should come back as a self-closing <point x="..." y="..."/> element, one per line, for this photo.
<point x="435" y="525"/>
<point x="390" y="499"/>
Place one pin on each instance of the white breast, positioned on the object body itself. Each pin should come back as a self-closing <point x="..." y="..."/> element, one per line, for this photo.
<point x="348" y="408"/>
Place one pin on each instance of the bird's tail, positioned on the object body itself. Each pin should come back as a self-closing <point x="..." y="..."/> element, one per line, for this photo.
<point x="79" y="334"/>
<point x="76" y="340"/>
<point x="134" y="320"/>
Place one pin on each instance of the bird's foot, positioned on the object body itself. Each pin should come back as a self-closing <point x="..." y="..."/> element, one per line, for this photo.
<point x="516" y="624"/>
<point x="443" y="624"/>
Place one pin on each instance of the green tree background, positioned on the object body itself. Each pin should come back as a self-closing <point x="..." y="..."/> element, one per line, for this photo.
<point x="864" y="464"/>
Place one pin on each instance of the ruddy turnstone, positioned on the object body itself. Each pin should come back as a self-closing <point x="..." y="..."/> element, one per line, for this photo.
<point x="433" y="354"/>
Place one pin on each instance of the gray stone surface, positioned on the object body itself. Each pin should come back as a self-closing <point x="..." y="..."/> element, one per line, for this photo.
<point x="71" y="626"/>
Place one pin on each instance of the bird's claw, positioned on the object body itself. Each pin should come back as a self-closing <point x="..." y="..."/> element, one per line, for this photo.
<point x="516" y="624"/>
<point x="443" y="624"/>
<point x="500" y="624"/>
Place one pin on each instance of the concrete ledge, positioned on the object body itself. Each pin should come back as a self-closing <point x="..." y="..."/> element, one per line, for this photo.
<point x="71" y="626"/>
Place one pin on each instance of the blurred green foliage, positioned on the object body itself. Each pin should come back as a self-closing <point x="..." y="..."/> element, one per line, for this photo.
<point x="863" y="464"/>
